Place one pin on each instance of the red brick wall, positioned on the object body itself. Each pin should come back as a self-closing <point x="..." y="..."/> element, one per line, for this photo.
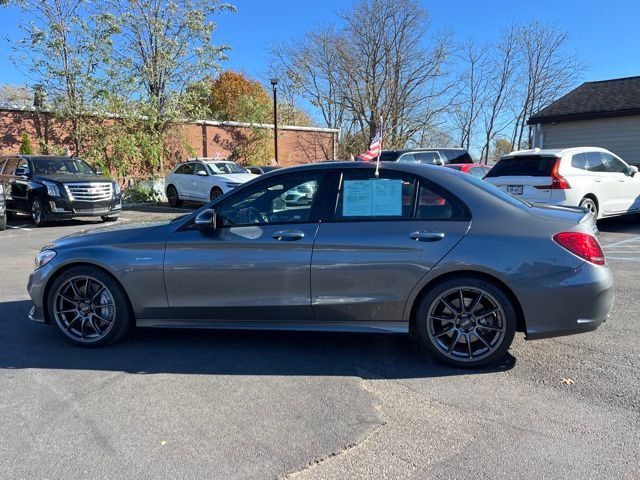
<point x="294" y="146"/>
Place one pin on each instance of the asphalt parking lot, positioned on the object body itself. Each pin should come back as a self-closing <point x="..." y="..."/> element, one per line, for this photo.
<point x="167" y="404"/>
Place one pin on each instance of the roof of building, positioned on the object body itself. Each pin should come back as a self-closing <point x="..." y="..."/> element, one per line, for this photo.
<point x="607" y="98"/>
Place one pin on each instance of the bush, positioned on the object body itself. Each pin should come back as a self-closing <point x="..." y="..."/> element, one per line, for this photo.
<point x="142" y="192"/>
<point x="25" y="145"/>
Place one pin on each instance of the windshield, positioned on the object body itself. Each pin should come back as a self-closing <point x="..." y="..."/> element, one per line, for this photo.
<point x="495" y="191"/>
<point x="225" y="167"/>
<point x="68" y="165"/>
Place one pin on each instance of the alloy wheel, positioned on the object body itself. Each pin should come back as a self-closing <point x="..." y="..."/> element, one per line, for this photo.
<point x="590" y="205"/>
<point x="36" y="211"/>
<point x="84" y="308"/>
<point x="215" y="193"/>
<point x="466" y="324"/>
<point x="172" y="196"/>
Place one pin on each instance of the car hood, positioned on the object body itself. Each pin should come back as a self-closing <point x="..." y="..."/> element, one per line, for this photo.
<point x="157" y="231"/>
<point x="70" y="178"/>
<point x="235" y="177"/>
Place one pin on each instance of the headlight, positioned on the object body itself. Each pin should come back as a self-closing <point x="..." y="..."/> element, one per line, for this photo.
<point x="52" y="189"/>
<point x="116" y="188"/>
<point x="231" y="184"/>
<point x="44" y="257"/>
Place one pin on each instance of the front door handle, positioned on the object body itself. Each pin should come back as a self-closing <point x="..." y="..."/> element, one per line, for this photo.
<point x="597" y="180"/>
<point x="288" y="235"/>
<point x="426" y="236"/>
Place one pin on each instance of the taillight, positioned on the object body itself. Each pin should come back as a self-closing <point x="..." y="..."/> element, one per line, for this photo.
<point x="581" y="244"/>
<point x="558" y="182"/>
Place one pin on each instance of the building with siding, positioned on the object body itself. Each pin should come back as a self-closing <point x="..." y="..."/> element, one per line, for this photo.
<point x="597" y="114"/>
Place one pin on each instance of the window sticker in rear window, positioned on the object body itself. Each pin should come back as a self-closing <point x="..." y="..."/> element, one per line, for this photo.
<point x="372" y="198"/>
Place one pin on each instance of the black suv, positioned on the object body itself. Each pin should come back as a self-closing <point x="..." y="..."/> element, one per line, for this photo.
<point x="57" y="188"/>
<point x="432" y="156"/>
<point x="3" y="210"/>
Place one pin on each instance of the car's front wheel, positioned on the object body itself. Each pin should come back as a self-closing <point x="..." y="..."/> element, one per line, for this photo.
<point x="466" y="322"/>
<point x="173" y="197"/>
<point x="38" y="215"/>
<point x="3" y="221"/>
<point x="215" y="193"/>
<point x="89" y="307"/>
<point x="109" y="218"/>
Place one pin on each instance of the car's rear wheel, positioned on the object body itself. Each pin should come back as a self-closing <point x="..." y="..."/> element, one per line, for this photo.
<point x="466" y="322"/>
<point x="215" y="193"/>
<point x="38" y="215"/>
<point x="173" y="197"/>
<point x="590" y="204"/>
<point x="89" y="307"/>
<point x="109" y="218"/>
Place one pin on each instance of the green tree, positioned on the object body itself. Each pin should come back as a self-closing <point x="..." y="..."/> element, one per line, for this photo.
<point x="25" y="145"/>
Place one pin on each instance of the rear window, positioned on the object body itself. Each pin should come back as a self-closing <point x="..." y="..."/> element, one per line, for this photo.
<point x="525" y="166"/>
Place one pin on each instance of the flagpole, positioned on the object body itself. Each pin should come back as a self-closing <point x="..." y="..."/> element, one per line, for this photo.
<point x="380" y="149"/>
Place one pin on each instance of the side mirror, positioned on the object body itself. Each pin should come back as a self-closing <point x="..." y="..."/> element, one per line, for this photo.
<point x="201" y="173"/>
<point x="98" y="172"/>
<point x="206" y="220"/>
<point x="632" y="170"/>
<point x="21" y="172"/>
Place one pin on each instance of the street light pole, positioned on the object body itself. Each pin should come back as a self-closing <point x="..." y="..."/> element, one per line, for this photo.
<point x="274" y="83"/>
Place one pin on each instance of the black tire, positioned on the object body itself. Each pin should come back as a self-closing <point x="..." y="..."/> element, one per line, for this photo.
<point x="486" y="337"/>
<point x="77" y="331"/>
<point x="173" y="197"/>
<point x="3" y="222"/>
<point x="11" y="215"/>
<point x="215" y="193"/>
<point x="38" y="214"/>
<point x="109" y="218"/>
<point x="590" y="204"/>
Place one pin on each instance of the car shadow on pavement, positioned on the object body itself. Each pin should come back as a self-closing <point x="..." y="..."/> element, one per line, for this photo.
<point x="24" y="344"/>
<point x="622" y="224"/>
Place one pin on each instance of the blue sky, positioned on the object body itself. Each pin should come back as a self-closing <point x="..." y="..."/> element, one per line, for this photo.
<point x="604" y="34"/>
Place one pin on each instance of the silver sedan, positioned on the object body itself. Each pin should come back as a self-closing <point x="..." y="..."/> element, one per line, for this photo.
<point x="416" y="249"/>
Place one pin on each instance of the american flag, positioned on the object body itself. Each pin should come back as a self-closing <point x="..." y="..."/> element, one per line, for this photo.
<point x="374" y="149"/>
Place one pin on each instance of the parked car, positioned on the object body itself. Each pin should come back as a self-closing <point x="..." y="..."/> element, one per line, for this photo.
<point x="476" y="169"/>
<point x="589" y="177"/>
<point x="361" y="257"/>
<point x="203" y="179"/>
<point x="52" y="188"/>
<point x="431" y="156"/>
<point x="3" y="210"/>
<point x="300" y="194"/>
<point x="260" y="169"/>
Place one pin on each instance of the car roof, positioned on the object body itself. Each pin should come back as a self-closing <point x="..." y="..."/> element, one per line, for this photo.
<point x="556" y="152"/>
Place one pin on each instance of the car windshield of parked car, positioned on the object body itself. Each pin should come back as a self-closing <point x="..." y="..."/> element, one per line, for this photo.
<point x="68" y="165"/>
<point x="217" y="168"/>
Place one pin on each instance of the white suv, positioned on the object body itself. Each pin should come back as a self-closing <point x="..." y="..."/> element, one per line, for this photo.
<point x="203" y="179"/>
<point x="590" y="177"/>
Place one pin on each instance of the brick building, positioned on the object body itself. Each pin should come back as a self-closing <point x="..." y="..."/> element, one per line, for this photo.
<point x="296" y="145"/>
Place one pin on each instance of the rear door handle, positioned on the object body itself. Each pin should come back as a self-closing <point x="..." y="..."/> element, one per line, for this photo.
<point x="426" y="236"/>
<point x="288" y="235"/>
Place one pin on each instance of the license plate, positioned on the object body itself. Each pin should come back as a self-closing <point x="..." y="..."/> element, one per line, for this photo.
<point x="514" y="189"/>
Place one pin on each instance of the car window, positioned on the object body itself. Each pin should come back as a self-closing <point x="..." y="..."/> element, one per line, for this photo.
<point x="578" y="160"/>
<point x="406" y="158"/>
<point x="284" y="199"/>
<point x="478" y="172"/>
<point x="225" y="167"/>
<point x="11" y="166"/>
<point x="523" y="166"/>
<point x="433" y="205"/>
<point x="186" y="169"/>
<point x="55" y="165"/>
<point x="198" y="167"/>
<point x="2" y="162"/>
<point x="613" y="164"/>
<point x="427" y="157"/>
<point x="363" y="195"/>
<point x="593" y="162"/>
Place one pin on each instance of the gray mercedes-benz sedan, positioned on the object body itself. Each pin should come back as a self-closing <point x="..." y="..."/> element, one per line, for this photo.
<point x="416" y="249"/>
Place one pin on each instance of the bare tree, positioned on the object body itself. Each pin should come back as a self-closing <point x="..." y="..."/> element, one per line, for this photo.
<point x="472" y="94"/>
<point x="548" y="72"/>
<point x="355" y="75"/>
<point x="503" y="78"/>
